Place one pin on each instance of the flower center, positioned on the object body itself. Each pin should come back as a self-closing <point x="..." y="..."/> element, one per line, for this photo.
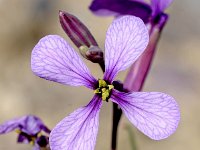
<point x="31" y="138"/>
<point x="104" y="89"/>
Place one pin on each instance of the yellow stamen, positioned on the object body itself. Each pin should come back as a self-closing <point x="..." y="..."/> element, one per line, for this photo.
<point x="97" y="91"/>
<point x="39" y="134"/>
<point x="105" y="95"/>
<point x="31" y="143"/>
<point x="110" y="87"/>
<point x="18" y="131"/>
<point x="104" y="89"/>
<point x="102" y="83"/>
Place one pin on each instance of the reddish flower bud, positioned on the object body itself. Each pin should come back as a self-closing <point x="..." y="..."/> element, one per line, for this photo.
<point x="76" y="30"/>
<point x="81" y="37"/>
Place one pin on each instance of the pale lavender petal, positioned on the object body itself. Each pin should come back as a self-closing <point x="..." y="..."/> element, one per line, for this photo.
<point x="11" y="125"/>
<point x="126" y="39"/>
<point x="54" y="59"/>
<point x="159" y="6"/>
<point x="29" y="124"/>
<point x="33" y="125"/>
<point x="155" y="114"/>
<point x="78" y="131"/>
<point x="36" y="147"/>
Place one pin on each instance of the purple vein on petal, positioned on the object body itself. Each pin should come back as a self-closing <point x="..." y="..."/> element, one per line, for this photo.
<point x="55" y="60"/>
<point x="126" y="39"/>
<point x="78" y="131"/>
<point x="155" y="114"/>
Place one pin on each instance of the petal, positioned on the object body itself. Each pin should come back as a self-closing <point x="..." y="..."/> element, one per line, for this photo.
<point x="121" y="7"/>
<point x="22" y="139"/>
<point x="155" y="114"/>
<point x="36" y="147"/>
<point x="11" y="125"/>
<point x="32" y="125"/>
<point x="126" y="39"/>
<point x="159" y="6"/>
<point x="54" y="59"/>
<point x="78" y="131"/>
<point x="45" y="128"/>
<point x="29" y="124"/>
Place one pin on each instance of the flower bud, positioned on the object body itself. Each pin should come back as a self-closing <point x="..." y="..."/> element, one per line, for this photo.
<point x="81" y="37"/>
<point x="95" y="54"/>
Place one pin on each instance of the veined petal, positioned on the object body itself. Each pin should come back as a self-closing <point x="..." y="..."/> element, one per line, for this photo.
<point x="126" y="39"/>
<point x="78" y="131"/>
<point x="121" y="7"/>
<point x="155" y="114"/>
<point x="159" y="5"/>
<point x="54" y="59"/>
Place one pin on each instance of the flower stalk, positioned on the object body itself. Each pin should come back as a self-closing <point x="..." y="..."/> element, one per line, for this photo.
<point x="117" y="113"/>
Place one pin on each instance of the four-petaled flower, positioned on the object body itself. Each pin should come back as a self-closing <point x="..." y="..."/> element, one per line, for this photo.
<point x="155" y="114"/>
<point x="29" y="129"/>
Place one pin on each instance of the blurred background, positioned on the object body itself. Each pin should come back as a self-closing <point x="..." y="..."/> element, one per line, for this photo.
<point x="175" y="70"/>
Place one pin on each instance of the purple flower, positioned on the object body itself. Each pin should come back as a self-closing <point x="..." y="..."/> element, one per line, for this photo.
<point x="153" y="113"/>
<point x="158" y="6"/>
<point x="29" y="129"/>
<point x="121" y="7"/>
<point x="153" y="12"/>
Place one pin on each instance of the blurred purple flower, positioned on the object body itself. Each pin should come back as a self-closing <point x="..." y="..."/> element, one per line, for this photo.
<point x="29" y="129"/>
<point x="121" y="7"/>
<point x="153" y="12"/>
<point x="155" y="114"/>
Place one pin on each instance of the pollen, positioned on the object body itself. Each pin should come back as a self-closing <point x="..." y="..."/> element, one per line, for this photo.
<point x="104" y="89"/>
<point x="18" y="131"/>
<point x="31" y="143"/>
